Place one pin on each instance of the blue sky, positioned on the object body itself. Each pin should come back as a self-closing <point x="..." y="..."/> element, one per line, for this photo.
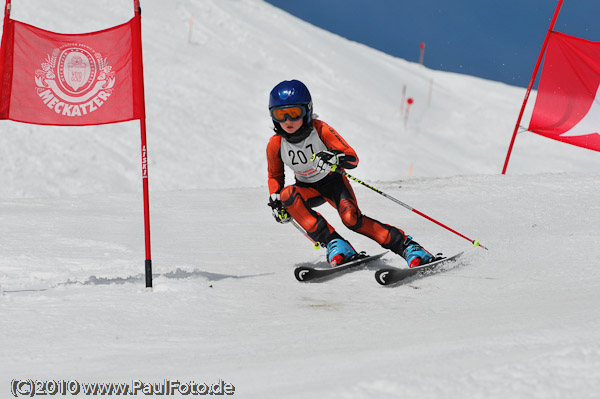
<point x="492" y="39"/>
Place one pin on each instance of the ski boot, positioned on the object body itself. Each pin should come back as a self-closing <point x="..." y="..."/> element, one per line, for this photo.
<point x="415" y="254"/>
<point x="339" y="251"/>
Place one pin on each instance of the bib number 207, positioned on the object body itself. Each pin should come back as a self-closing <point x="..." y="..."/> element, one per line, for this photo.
<point x="298" y="157"/>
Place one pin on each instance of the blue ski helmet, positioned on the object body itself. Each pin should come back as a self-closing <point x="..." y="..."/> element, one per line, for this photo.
<point x="292" y="92"/>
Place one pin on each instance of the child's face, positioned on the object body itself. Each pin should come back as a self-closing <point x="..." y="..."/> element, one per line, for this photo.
<point x="291" y="127"/>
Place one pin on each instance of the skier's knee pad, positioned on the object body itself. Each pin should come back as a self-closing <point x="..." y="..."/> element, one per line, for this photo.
<point x="350" y="215"/>
<point x="288" y="195"/>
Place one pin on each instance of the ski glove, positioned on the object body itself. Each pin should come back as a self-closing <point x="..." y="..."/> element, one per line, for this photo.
<point x="279" y="212"/>
<point x="326" y="161"/>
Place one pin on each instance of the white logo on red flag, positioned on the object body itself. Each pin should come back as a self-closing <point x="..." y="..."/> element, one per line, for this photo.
<point x="74" y="80"/>
<point x="81" y="79"/>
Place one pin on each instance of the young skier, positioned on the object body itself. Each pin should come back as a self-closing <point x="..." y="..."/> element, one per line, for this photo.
<point x="311" y="148"/>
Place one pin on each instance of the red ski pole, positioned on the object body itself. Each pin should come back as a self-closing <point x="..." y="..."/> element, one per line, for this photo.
<point x="410" y="208"/>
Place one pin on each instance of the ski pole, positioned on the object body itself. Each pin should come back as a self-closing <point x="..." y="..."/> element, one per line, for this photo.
<point x="410" y="208"/>
<point x="282" y="216"/>
<point x="316" y="245"/>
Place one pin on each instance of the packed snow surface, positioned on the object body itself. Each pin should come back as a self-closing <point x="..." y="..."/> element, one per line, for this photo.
<point x="517" y="321"/>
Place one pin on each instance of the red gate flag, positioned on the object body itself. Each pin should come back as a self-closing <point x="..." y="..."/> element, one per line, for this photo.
<point x="50" y="78"/>
<point x="567" y="107"/>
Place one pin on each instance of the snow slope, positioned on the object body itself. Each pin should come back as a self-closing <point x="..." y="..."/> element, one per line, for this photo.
<point x="518" y="321"/>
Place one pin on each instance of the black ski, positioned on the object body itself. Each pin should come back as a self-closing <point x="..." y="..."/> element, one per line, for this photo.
<point x="309" y="273"/>
<point x="390" y="276"/>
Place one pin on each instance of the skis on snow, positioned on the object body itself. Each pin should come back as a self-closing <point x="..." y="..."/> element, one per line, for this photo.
<point x="384" y="276"/>
<point x="309" y="273"/>
<point x="390" y="276"/>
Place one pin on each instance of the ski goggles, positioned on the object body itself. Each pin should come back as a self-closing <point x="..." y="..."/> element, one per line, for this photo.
<point x="291" y="112"/>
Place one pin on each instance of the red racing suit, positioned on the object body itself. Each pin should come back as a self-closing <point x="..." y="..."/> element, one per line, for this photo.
<point x="313" y="188"/>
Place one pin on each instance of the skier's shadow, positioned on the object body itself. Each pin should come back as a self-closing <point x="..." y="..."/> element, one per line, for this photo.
<point x="176" y="274"/>
<point x="140" y="278"/>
